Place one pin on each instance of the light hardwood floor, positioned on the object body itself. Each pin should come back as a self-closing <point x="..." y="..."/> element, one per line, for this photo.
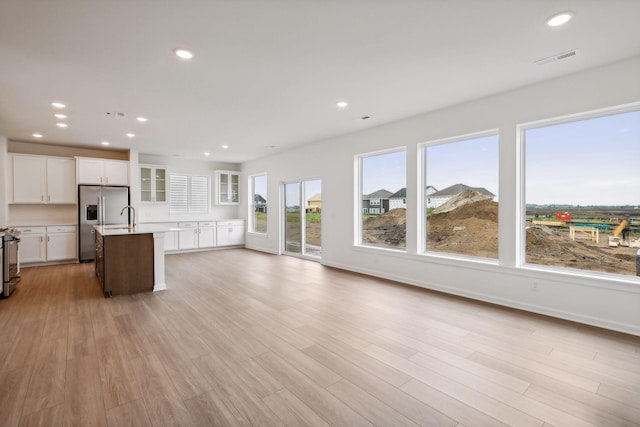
<point x="245" y="338"/>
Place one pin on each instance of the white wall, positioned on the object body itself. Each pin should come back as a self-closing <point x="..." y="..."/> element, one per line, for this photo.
<point x="159" y="212"/>
<point x="612" y="303"/>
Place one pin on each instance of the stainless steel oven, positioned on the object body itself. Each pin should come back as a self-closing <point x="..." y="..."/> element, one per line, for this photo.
<point x="9" y="262"/>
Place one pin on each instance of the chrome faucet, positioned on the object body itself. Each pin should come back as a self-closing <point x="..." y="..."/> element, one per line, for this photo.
<point x="133" y="223"/>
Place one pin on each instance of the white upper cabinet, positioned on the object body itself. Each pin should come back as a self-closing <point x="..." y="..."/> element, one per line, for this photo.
<point x="228" y="183"/>
<point x="153" y="183"/>
<point x="61" y="181"/>
<point x="40" y="179"/>
<point x="102" y="171"/>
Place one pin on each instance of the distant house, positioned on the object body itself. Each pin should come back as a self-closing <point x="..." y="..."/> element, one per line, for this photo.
<point x="398" y="199"/>
<point x="259" y="204"/>
<point x="439" y="197"/>
<point x="314" y="204"/>
<point x="376" y="203"/>
<point x="430" y="190"/>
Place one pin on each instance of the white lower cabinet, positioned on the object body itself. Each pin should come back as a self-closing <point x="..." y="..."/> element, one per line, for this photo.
<point x="202" y="234"/>
<point x="188" y="236"/>
<point x="61" y="242"/>
<point x="230" y="233"/>
<point x="171" y="238"/>
<point x="206" y="234"/>
<point x="47" y="243"/>
<point x="33" y="246"/>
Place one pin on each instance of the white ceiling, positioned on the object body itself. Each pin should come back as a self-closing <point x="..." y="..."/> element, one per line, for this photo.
<point x="269" y="72"/>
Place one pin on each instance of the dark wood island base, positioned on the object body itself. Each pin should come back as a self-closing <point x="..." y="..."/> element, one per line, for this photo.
<point x="125" y="263"/>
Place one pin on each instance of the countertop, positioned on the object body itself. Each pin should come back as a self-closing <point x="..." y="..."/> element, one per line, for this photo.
<point x="118" y="230"/>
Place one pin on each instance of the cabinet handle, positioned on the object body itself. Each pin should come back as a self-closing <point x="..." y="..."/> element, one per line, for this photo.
<point x="41" y="239"/>
<point x="106" y="179"/>
<point x="48" y="238"/>
<point x="48" y="198"/>
<point x="42" y="198"/>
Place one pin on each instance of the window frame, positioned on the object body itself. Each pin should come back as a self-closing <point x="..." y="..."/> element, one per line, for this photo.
<point x="252" y="203"/>
<point x="425" y="198"/>
<point x="358" y="205"/>
<point x="521" y="202"/>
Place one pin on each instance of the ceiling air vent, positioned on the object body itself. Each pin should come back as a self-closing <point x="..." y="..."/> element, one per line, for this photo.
<point x="557" y="57"/>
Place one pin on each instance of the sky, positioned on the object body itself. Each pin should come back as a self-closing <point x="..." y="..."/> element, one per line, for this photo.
<point x="384" y="172"/>
<point x="588" y="162"/>
<point x="472" y="162"/>
<point x="260" y="185"/>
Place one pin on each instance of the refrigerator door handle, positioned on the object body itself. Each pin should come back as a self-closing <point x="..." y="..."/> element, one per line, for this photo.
<point x="102" y="208"/>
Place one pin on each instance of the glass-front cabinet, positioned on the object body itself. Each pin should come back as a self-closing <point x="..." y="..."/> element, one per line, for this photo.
<point x="228" y="187"/>
<point x="153" y="183"/>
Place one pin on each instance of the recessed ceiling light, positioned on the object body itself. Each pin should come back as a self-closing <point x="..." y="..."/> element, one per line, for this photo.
<point x="58" y="105"/>
<point x="37" y="135"/>
<point x="224" y="147"/>
<point x="559" y="19"/>
<point x="342" y="104"/>
<point x="131" y="135"/>
<point x="62" y="125"/>
<point x="183" y="53"/>
<point x="207" y="154"/>
<point x="105" y="143"/>
<point x="60" y="116"/>
<point x="141" y="119"/>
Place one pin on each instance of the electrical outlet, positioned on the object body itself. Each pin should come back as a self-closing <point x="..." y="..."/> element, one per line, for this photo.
<point x="534" y="286"/>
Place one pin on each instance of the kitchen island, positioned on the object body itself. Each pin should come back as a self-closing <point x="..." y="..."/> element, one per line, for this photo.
<point x="130" y="259"/>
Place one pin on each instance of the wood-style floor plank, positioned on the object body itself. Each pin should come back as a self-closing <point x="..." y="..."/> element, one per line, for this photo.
<point x="13" y="389"/>
<point x="251" y="339"/>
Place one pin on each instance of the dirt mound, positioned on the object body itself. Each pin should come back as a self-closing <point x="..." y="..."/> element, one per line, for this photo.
<point x="471" y="228"/>
<point x="464" y="198"/>
<point x="387" y="219"/>
<point x="387" y="229"/>
<point x="549" y="247"/>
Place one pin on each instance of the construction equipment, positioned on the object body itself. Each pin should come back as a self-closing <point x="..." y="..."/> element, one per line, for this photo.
<point x="616" y="240"/>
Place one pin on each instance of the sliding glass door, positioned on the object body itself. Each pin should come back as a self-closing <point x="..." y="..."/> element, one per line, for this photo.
<point x="303" y="218"/>
<point x="293" y="218"/>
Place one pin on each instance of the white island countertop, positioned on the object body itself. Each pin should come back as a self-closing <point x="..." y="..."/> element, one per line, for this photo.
<point x="121" y="229"/>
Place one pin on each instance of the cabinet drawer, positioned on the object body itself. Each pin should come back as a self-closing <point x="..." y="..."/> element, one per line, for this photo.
<point x="188" y="224"/>
<point x="32" y="230"/>
<point x="207" y="224"/>
<point x="61" y="229"/>
<point x="232" y="223"/>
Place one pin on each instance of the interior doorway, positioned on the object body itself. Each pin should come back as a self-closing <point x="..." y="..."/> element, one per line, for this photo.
<point x="303" y="218"/>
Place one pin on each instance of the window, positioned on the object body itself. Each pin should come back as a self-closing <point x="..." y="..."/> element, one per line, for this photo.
<point x="582" y="192"/>
<point x="461" y="196"/>
<point x="189" y="194"/>
<point x="381" y="176"/>
<point x="258" y="214"/>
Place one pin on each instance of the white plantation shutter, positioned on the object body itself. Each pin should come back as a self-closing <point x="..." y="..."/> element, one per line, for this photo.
<point x="188" y="194"/>
<point x="199" y="194"/>
<point x="178" y="194"/>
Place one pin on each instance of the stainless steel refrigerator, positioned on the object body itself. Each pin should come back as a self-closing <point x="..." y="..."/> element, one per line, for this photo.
<point x="98" y="205"/>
